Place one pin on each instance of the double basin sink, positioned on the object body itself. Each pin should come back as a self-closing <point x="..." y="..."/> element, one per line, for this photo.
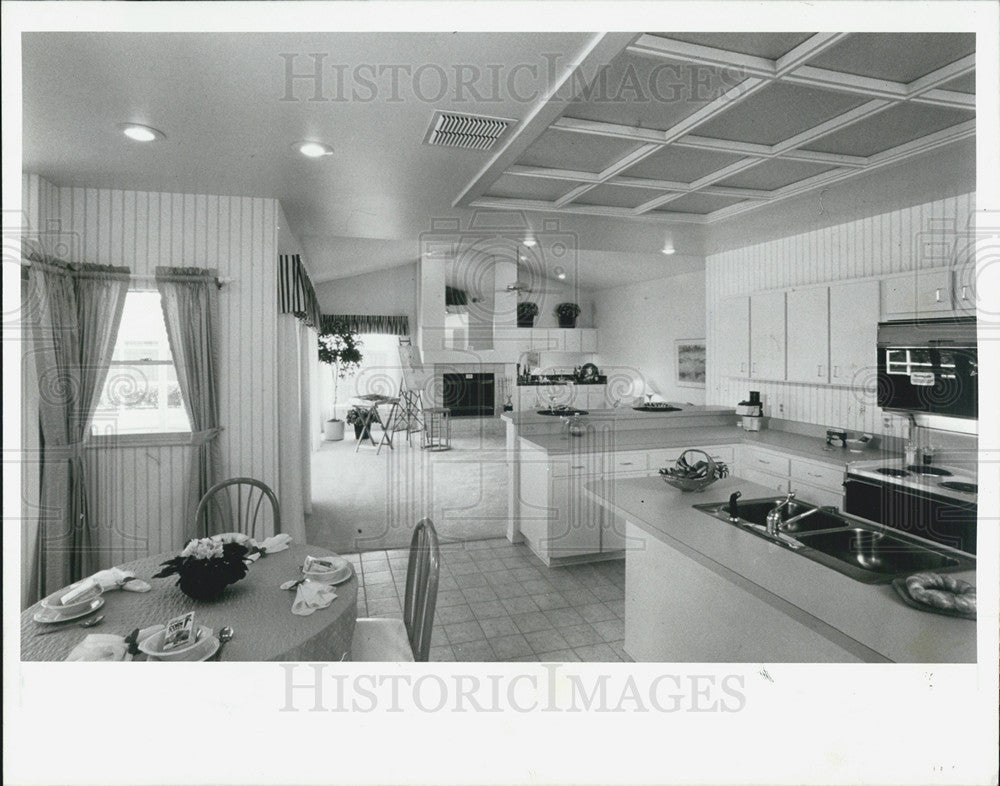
<point x="824" y="535"/>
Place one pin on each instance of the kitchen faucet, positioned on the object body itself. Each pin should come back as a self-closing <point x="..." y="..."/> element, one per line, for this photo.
<point x="774" y="521"/>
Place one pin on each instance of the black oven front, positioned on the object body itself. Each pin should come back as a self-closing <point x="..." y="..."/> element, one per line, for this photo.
<point x="937" y="518"/>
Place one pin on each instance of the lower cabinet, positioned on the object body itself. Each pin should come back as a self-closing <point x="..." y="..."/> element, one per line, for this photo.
<point x="812" y="481"/>
<point x="678" y="609"/>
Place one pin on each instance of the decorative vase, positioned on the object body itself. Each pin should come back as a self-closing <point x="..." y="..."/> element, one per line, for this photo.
<point x="201" y="586"/>
<point x="333" y="431"/>
<point x="567" y="322"/>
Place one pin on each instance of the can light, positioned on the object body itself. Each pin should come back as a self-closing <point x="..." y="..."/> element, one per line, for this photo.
<point x="530" y="241"/>
<point x="314" y="149"/>
<point x="668" y="249"/>
<point x="141" y="133"/>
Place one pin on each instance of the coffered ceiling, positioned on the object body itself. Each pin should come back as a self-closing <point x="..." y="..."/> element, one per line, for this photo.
<point x="699" y="127"/>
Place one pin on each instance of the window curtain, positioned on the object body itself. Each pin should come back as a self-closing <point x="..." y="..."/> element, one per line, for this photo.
<point x="190" y="298"/>
<point x="367" y="323"/>
<point x="296" y="294"/>
<point x="73" y="319"/>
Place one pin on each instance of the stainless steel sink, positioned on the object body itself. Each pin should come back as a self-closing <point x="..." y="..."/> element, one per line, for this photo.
<point x="865" y="553"/>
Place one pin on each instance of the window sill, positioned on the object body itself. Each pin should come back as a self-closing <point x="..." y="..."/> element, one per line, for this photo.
<point x="164" y="439"/>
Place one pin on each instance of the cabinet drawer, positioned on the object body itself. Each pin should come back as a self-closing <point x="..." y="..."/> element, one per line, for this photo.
<point x="575" y="465"/>
<point x="817" y="495"/>
<point x="765" y="479"/>
<point x="664" y="457"/>
<point x="822" y="475"/>
<point x="766" y="462"/>
<point x="632" y="461"/>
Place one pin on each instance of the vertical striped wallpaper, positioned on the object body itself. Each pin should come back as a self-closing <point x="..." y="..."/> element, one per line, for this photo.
<point x="140" y="491"/>
<point x="921" y="236"/>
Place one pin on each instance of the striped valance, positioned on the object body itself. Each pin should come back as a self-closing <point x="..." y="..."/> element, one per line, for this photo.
<point x="368" y="323"/>
<point x="295" y="291"/>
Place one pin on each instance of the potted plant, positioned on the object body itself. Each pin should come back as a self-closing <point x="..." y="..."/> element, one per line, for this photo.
<point x="526" y="313"/>
<point x="339" y="347"/>
<point x="356" y="417"/>
<point x="567" y="313"/>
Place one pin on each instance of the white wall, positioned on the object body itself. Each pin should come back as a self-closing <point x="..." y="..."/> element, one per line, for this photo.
<point x="637" y="325"/>
<point x="139" y="494"/>
<point x="891" y="242"/>
<point x="392" y="292"/>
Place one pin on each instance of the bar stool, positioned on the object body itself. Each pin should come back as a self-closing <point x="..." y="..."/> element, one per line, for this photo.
<point x="437" y="428"/>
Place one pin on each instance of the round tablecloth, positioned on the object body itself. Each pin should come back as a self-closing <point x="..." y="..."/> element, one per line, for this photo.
<point x="257" y="609"/>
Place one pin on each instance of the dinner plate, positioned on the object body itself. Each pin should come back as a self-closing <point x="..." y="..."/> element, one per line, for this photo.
<point x="340" y="571"/>
<point x="51" y="615"/>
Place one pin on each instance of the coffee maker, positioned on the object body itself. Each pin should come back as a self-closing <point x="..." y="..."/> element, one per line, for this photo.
<point x="751" y="412"/>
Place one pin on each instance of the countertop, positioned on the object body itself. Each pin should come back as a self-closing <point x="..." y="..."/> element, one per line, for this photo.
<point x="873" y="616"/>
<point x="596" y="440"/>
<point x="624" y="414"/>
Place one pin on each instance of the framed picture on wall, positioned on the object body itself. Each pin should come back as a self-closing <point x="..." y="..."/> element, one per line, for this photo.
<point x="690" y="356"/>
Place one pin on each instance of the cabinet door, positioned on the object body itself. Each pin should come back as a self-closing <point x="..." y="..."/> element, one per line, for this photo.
<point x="733" y="337"/>
<point x="764" y="479"/>
<point x="576" y="520"/>
<point x="588" y="340"/>
<point x="966" y="298"/>
<point x="545" y="339"/>
<point x="809" y="335"/>
<point x="767" y="335"/>
<point x="570" y="340"/>
<point x="595" y="396"/>
<point x="816" y="495"/>
<point x="916" y="294"/>
<point x="854" y="311"/>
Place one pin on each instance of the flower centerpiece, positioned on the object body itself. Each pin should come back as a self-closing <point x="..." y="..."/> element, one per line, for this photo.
<point x="207" y="566"/>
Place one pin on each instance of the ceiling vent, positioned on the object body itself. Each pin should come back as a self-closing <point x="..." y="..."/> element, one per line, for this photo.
<point x="473" y="132"/>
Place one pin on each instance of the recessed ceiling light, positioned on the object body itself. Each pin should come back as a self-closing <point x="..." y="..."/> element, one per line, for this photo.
<point x="141" y="133"/>
<point x="530" y="241"/>
<point x="313" y="149"/>
<point x="668" y="244"/>
<point x="560" y="273"/>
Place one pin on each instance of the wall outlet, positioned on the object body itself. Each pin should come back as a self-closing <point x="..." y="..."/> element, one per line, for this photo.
<point x="887" y="421"/>
<point x="781" y="409"/>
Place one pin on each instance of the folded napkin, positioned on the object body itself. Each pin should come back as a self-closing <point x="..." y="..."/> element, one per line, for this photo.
<point x="309" y="596"/>
<point x="271" y="545"/>
<point x="107" y="646"/>
<point x="276" y="543"/>
<point x="112" y="578"/>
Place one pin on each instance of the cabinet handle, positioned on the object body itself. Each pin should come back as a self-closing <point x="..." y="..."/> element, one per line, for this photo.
<point x="937" y="295"/>
<point x="762" y="461"/>
<point x="813" y="475"/>
<point x="577" y="466"/>
<point x="626" y="463"/>
<point x="836" y="371"/>
<point x="965" y="290"/>
<point x="819" y="370"/>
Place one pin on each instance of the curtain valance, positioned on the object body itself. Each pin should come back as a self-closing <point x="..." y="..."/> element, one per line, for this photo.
<point x="389" y="325"/>
<point x="296" y="294"/>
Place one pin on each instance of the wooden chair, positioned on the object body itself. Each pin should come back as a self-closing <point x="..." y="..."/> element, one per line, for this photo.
<point x="218" y="505"/>
<point x="408" y="639"/>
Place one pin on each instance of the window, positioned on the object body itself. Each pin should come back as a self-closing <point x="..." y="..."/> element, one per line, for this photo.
<point x="141" y="394"/>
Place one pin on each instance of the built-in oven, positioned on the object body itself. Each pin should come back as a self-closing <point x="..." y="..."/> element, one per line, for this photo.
<point x="915" y="503"/>
<point x="929" y="366"/>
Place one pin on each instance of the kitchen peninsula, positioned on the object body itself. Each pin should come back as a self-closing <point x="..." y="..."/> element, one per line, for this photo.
<point x="702" y="590"/>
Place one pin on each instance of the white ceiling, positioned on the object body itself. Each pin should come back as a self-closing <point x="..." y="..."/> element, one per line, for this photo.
<point x="218" y="98"/>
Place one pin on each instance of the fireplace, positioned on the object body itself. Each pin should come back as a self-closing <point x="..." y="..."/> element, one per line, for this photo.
<point x="469" y="394"/>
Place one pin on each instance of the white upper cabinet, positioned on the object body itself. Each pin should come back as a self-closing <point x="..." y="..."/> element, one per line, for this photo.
<point x="854" y="312"/>
<point x="965" y="295"/>
<point x="588" y="340"/>
<point x="922" y="293"/>
<point x="767" y="335"/>
<point x="809" y="335"/>
<point x="732" y="344"/>
<point x="570" y="339"/>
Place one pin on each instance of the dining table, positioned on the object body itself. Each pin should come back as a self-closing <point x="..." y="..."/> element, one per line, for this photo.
<point x="256" y="607"/>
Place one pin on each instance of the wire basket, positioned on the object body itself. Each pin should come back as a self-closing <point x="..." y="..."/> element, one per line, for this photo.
<point x="682" y="475"/>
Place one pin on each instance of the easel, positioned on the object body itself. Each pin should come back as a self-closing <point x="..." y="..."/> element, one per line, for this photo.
<point x="410" y="408"/>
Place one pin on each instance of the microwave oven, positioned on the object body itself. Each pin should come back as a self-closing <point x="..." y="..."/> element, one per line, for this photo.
<point x="929" y="366"/>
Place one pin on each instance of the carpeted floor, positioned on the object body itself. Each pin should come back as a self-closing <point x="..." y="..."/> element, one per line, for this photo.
<point x="363" y="501"/>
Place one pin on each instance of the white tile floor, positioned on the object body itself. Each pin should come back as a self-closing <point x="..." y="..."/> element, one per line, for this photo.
<point x="498" y="602"/>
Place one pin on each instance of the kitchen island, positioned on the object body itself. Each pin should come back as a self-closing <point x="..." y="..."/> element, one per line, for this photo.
<point x="701" y="590"/>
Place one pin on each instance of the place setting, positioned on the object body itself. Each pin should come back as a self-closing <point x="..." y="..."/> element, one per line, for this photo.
<point x="314" y="587"/>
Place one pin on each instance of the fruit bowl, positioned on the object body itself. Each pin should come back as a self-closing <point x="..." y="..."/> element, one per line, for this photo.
<point x="694" y="474"/>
